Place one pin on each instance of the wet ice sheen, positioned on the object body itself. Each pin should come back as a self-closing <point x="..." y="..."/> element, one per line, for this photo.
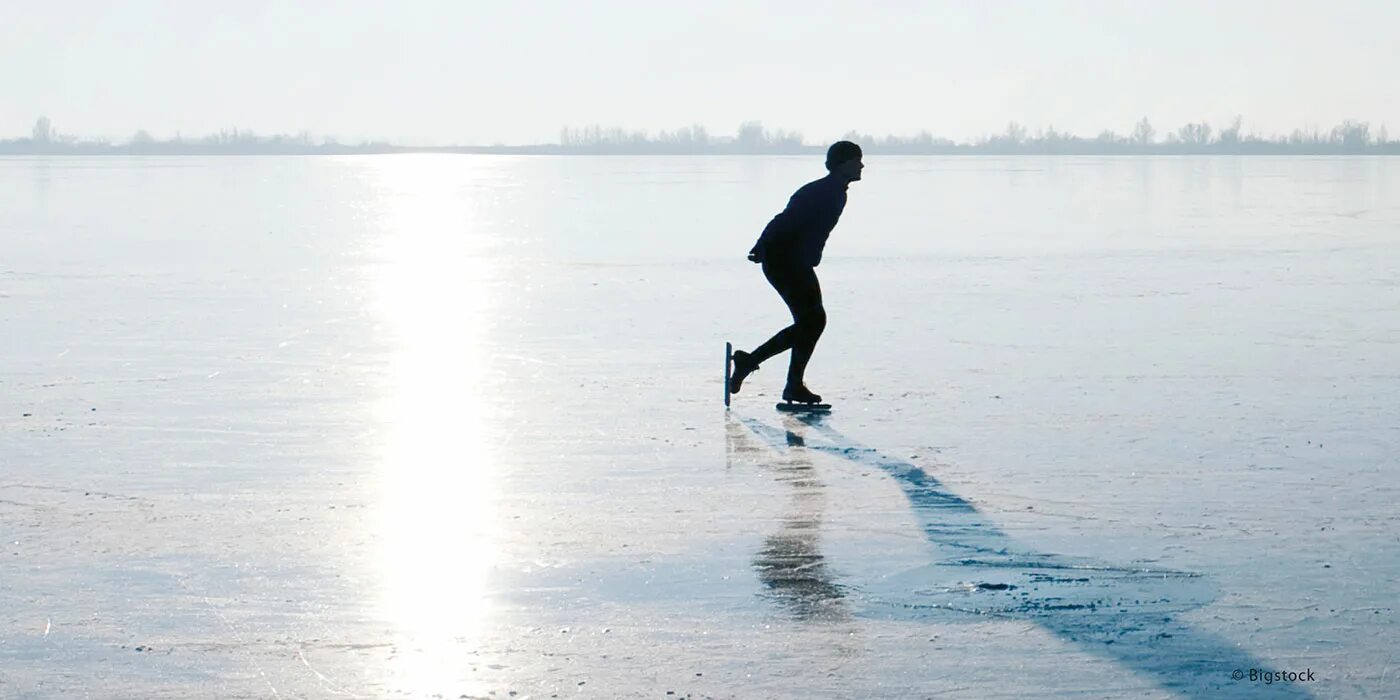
<point x="405" y="426"/>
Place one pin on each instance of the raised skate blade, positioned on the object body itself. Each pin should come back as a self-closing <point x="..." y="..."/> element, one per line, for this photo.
<point x="728" y="360"/>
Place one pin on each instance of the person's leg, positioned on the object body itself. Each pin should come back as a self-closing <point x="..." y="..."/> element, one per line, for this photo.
<point x="781" y="341"/>
<point x="785" y="280"/>
<point x="809" y="320"/>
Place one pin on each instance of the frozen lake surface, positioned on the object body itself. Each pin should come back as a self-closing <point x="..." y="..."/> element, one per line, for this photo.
<point x="447" y="426"/>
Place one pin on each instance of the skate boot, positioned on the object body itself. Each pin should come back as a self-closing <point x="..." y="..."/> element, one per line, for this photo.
<point x="743" y="366"/>
<point x="800" y="394"/>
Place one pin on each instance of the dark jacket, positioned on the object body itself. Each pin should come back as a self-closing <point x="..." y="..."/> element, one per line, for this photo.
<point x="797" y="235"/>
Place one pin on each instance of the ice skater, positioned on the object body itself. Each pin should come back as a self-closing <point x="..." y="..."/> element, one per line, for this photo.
<point x="790" y="249"/>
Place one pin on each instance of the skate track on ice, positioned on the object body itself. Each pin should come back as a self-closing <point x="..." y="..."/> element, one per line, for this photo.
<point x="1126" y="614"/>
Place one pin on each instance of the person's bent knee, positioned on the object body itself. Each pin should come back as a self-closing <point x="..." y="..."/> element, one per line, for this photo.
<point x="812" y="320"/>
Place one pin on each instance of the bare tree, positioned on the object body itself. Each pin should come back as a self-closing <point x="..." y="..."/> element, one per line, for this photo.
<point x="751" y="135"/>
<point x="1195" y="134"/>
<point x="1352" y="135"/>
<point x="1015" y="133"/>
<point x="1231" y="136"/>
<point x="43" y="130"/>
<point x="1143" y="133"/>
<point x="786" y="139"/>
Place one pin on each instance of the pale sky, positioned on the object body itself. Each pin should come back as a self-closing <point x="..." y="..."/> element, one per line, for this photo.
<point x="470" y="72"/>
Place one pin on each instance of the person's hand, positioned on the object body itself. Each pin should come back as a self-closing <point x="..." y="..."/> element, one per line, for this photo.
<point x="755" y="256"/>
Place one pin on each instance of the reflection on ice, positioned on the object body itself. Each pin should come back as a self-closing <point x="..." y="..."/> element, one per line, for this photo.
<point x="791" y="564"/>
<point x="436" y="467"/>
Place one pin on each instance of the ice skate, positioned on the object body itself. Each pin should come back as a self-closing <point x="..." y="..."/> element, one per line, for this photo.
<point x="800" y="398"/>
<point x="740" y="367"/>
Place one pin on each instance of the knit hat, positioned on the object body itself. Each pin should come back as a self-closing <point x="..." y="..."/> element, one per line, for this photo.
<point x="840" y="152"/>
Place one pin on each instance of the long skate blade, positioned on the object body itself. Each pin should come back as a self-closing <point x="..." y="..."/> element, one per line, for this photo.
<point x="728" y="359"/>
<point x="795" y="407"/>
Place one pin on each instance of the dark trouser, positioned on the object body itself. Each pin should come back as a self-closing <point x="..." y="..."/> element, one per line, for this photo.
<point x="802" y="293"/>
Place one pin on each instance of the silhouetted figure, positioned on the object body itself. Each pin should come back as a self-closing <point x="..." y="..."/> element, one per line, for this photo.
<point x="790" y="249"/>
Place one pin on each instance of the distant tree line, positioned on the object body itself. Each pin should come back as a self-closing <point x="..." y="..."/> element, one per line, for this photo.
<point x="1349" y="137"/>
<point x="46" y="140"/>
<point x="751" y="138"/>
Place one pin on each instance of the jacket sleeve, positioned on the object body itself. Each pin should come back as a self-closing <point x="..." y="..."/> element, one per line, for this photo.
<point x="782" y="231"/>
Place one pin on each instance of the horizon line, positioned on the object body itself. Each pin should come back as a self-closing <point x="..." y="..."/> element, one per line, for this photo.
<point x="752" y="138"/>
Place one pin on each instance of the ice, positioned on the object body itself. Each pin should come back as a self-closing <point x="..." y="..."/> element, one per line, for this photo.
<point x="406" y="426"/>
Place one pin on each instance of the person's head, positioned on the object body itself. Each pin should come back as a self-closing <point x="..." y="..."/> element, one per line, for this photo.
<point x="843" y="159"/>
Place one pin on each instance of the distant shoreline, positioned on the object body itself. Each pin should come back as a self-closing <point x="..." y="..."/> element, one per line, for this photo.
<point x="546" y="150"/>
<point x="1350" y="137"/>
<point x="751" y="139"/>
